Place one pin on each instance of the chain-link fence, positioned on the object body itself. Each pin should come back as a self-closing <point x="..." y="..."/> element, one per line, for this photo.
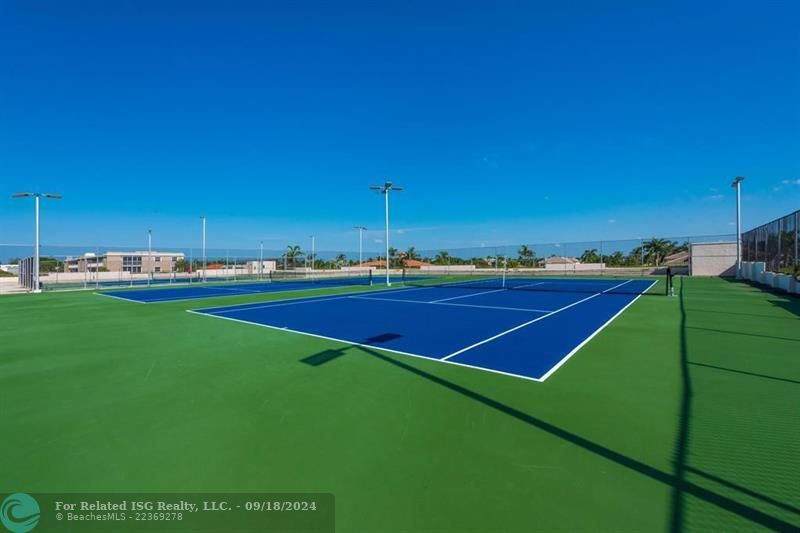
<point x="78" y="267"/>
<point x="98" y="266"/>
<point x="643" y="255"/>
<point x="777" y="244"/>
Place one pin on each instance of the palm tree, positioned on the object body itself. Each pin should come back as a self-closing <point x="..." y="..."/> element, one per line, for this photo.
<point x="392" y="256"/>
<point x="341" y="259"/>
<point x="442" y="258"/>
<point x="526" y="254"/>
<point x="636" y="257"/>
<point x="590" y="256"/>
<point x="411" y="253"/>
<point x="658" y="249"/>
<point x="616" y="259"/>
<point x="292" y="253"/>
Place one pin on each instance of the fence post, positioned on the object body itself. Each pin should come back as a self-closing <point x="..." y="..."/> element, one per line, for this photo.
<point x="796" y="240"/>
<point x="602" y="266"/>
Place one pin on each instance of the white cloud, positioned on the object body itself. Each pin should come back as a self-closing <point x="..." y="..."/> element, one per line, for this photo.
<point x="716" y="197"/>
<point x="789" y="182"/>
<point x="378" y="241"/>
<point x="490" y="162"/>
<point x="612" y="220"/>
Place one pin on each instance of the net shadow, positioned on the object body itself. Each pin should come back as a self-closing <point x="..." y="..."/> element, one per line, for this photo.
<point x="677" y="480"/>
<point x="743" y="372"/>
<point x="681" y="487"/>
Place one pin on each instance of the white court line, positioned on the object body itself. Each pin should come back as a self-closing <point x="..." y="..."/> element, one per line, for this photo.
<point x="352" y="343"/>
<point x="590" y="337"/>
<point x="120" y="298"/>
<point x="277" y="303"/>
<point x="279" y="328"/>
<point x="297" y="301"/>
<point x="248" y="291"/>
<point x="528" y="323"/>
<point x="212" y="295"/>
<point x="430" y="358"/>
<point x="439" y="302"/>
<point x="466" y="296"/>
<point x="528" y="285"/>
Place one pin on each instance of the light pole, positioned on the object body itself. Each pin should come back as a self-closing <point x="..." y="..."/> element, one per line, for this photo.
<point x="385" y="188"/>
<point x="737" y="184"/>
<point x="149" y="256"/>
<point x="37" y="287"/>
<point x="260" y="259"/>
<point x="361" y="230"/>
<point x="203" y="218"/>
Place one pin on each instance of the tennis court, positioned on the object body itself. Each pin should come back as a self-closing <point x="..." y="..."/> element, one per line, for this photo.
<point x="203" y="290"/>
<point x="527" y="328"/>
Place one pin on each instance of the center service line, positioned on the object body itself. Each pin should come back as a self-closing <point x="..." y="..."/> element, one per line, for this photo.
<point x="528" y="323"/>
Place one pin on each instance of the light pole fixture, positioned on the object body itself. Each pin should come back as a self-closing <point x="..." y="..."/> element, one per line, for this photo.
<point x="37" y="287"/>
<point x="737" y="184"/>
<point x="361" y="230"/>
<point x="384" y="189"/>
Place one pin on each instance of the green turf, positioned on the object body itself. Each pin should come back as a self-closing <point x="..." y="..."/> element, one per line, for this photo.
<point x="682" y="415"/>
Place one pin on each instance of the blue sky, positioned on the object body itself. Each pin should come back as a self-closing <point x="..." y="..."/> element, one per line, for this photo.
<point x="506" y="122"/>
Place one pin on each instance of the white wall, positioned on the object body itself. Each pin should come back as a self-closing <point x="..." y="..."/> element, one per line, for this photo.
<point x="447" y="268"/>
<point x="712" y="259"/>
<point x="266" y="266"/>
<point x="757" y="272"/>
<point x="574" y="267"/>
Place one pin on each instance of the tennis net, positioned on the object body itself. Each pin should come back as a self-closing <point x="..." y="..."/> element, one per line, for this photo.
<point x="322" y="278"/>
<point x="526" y="281"/>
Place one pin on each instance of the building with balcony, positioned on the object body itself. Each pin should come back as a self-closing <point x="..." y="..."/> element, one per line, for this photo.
<point x="154" y="262"/>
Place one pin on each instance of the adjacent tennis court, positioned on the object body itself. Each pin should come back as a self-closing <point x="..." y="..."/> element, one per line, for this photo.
<point x="527" y="329"/>
<point x="203" y="290"/>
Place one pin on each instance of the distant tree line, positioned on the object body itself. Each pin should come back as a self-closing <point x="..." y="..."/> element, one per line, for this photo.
<point x="650" y="253"/>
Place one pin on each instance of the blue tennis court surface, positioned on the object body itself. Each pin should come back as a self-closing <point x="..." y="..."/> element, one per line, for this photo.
<point x="201" y="290"/>
<point x="523" y="333"/>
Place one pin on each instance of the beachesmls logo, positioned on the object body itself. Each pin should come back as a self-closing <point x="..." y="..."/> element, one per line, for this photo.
<point x="19" y="513"/>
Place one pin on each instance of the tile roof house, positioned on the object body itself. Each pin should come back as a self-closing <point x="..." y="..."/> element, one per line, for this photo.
<point x="561" y="260"/>
<point x="415" y="263"/>
<point x="679" y="258"/>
